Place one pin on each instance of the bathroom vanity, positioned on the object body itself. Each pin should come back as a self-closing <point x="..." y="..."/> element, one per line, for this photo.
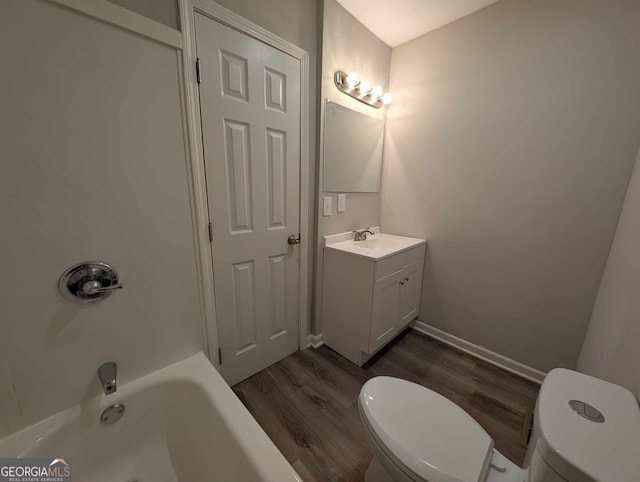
<point x="371" y="291"/>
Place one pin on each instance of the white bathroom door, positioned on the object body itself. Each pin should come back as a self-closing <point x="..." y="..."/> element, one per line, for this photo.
<point x="250" y="108"/>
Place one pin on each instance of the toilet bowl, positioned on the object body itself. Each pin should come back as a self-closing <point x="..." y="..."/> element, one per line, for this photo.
<point x="585" y="430"/>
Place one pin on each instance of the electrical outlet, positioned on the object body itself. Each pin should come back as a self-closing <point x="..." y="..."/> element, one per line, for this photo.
<point x="342" y="203"/>
<point x="327" y="206"/>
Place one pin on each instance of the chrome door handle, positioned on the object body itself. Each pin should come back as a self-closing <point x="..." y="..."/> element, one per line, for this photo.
<point x="293" y="239"/>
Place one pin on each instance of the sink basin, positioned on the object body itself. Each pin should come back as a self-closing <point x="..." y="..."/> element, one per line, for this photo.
<point x="375" y="247"/>
<point x="376" y="243"/>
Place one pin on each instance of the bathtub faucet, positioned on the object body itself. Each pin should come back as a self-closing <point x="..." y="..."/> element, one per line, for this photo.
<point x="107" y="374"/>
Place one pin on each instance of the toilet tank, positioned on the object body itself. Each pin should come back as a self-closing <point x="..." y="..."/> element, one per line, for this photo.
<point x="584" y="430"/>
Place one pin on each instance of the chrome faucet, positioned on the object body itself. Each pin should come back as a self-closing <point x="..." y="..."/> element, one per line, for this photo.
<point x="362" y="235"/>
<point x="107" y="374"/>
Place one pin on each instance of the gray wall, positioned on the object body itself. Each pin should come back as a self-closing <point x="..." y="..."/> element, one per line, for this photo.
<point x="348" y="46"/>
<point x="610" y="349"/>
<point x="509" y="146"/>
<point x="163" y="11"/>
<point x="93" y="168"/>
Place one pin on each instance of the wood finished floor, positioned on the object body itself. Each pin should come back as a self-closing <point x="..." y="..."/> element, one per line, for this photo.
<point x="307" y="403"/>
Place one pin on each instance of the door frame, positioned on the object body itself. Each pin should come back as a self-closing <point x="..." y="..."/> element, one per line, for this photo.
<point x="194" y="140"/>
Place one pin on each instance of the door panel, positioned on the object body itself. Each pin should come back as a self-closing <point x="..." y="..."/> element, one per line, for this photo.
<point x="385" y="309"/>
<point x="275" y="88"/>
<point x="244" y="306"/>
<point x="239" y="186"/>
<point x="250" y="108"/>
<point x="278" y="285"/>
<point x="410" y="294"/>
<point x="277" y="178"/>
<point x="234" y="74"/>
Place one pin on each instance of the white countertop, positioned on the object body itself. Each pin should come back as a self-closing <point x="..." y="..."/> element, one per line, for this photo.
<point x="376" y="247"/>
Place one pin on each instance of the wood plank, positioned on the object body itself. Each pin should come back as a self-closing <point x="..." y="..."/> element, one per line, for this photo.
<point x="506" y="387"/>
<point x="307" y="403"/>
<point x="317" y="369"/>
<point x="284" y="428"/>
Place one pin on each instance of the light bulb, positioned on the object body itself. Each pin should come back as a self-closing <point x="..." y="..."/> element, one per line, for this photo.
<point x="386" y="99"/>
<point x="364" y="87"/>
<point x="352" y="79"/>
<point x="376" y="92"/>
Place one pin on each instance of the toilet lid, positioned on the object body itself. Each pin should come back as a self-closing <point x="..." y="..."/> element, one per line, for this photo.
<point x="427" y="433"/>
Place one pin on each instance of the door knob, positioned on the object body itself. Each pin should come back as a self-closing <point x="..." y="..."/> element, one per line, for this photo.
<point x="293" y="239"/>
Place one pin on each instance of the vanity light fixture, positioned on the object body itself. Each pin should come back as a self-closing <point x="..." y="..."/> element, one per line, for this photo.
<point x="361" y="90"/>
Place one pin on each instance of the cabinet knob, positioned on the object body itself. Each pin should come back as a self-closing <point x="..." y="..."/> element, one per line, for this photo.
<point x="406" y="279"/>
<point x="401" y="283"/>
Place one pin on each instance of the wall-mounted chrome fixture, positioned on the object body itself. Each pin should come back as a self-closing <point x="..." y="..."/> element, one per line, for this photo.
<point x="88" y="282"/>
<point x="361" y="90"/>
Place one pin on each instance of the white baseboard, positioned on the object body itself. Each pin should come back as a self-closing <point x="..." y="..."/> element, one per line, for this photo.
<point x="477" y="351"/>
<point x="314" y="340"/>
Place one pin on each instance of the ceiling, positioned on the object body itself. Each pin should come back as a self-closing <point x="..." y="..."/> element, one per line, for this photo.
<point x="398" y="21"/>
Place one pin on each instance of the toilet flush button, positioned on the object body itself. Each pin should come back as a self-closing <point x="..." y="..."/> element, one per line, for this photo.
<point x="586" y="411"/>
<point x="592" y="413"/>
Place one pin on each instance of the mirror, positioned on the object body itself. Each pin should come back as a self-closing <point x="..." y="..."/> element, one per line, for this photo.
<point x="352" y="150"/>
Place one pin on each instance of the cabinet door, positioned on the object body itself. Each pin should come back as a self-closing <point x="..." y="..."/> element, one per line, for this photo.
<point x="410" y="293"/>
<point x="386" y="306"/>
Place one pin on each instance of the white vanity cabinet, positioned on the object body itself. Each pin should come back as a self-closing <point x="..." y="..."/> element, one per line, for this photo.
<point x="369" y="297"/>
<point x="410" y="293"/>
<point x="395" y="303"/>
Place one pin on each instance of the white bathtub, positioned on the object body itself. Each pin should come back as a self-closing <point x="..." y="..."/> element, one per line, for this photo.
<point x="181" y="423"/>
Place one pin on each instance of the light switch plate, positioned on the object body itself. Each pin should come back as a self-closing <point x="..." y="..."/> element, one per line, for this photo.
<point x="327" y="206"/>
<point x="342" y="202"/>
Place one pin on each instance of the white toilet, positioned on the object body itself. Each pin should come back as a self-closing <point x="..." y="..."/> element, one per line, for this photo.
<point x="585" y="430"/>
